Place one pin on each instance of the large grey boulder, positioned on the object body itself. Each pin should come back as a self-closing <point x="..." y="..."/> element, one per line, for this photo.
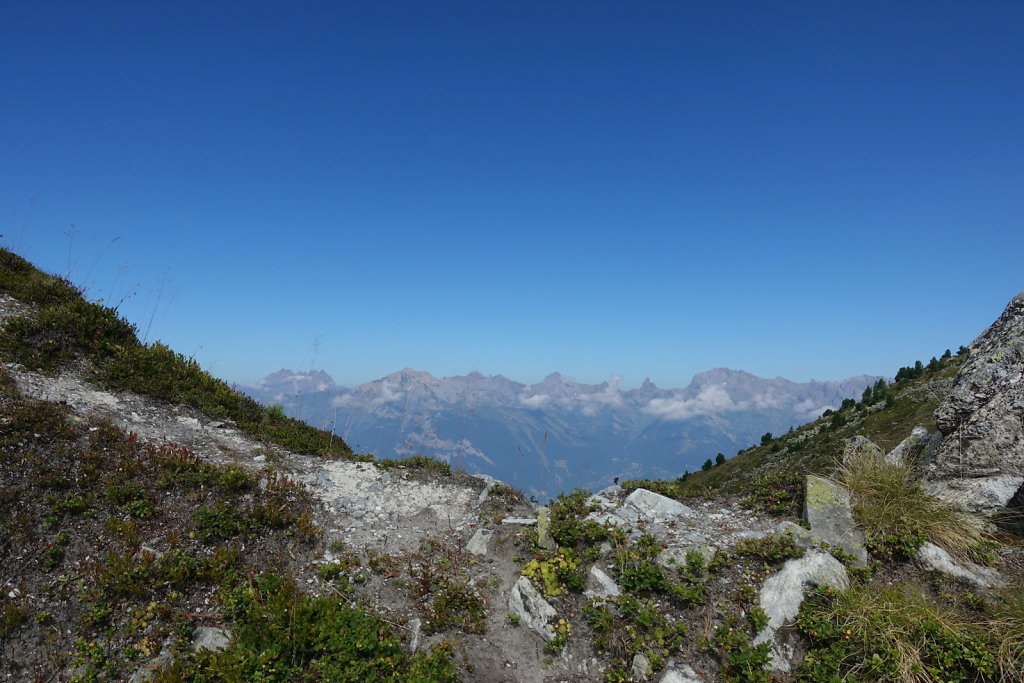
<point x="783" y="593"/>
<point x="654" y="506"/>
<point x="533" y="610"/>
<point x="827" y="511"/>
<point x="982" y="420"/>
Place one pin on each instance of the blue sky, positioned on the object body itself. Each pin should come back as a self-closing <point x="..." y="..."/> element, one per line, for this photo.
<point x="808" y="190"/>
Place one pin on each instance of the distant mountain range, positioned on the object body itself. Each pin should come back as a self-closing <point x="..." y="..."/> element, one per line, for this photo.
<point x="558" y="434"/>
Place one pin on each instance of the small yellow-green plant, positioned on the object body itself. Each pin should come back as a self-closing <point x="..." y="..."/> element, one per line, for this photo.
<point x="549" y="572"/>
<point x="562" y="629"/>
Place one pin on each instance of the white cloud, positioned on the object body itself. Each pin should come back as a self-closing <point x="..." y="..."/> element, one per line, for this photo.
<point x="770" y="400"/>
<point x="387" y="394"/>
<point x="809" y="410"/>
<point x="535" y="401"/>
<point x="709" y="401"/>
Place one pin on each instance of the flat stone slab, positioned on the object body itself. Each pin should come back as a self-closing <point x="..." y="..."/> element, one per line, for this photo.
<point x="828" y="513"/>
<point x="523" y="521"/>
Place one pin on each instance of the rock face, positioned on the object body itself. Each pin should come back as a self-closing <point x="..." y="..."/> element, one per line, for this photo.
<point x="980" y="462"/>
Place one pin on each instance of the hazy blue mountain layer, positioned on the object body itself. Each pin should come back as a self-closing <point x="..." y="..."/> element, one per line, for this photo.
<point x="557" y="434"/>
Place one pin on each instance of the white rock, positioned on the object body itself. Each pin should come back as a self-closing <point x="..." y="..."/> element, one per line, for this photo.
<point x="415" y="626"/>
<point x="932" y="557"/>
<point x="783" y="592"/>
<point x="533" y="610"/>
<point x="641" y="665"/>
<point x="681" y="674"/>
<point x="655" y="506"/>
<point x="210" y="638"/>
<point x="478" y="544"/>
<point x="524" y="521"/>
<point x="603" y="586"/>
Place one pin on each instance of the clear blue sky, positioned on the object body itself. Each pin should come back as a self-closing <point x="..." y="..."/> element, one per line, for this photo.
<point x="811" y="190"/>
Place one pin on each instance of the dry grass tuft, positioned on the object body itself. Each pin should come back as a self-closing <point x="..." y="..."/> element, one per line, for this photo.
<point x="889" y="504"/>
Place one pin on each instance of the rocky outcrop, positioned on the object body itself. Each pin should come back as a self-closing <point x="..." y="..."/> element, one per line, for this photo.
<point x="980" y="462"/>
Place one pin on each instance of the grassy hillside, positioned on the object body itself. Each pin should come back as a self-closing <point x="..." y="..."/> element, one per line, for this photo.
<point x="781" y="461"/>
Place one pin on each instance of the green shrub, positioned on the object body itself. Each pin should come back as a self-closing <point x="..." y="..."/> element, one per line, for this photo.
<point x="217" y="523"/>
<point x="770" y="549"/>
<point x="419" y="462"/>
<point x="741" y="661"/>
<point x="60" y="333"/>
<point x="775" y="493"/>
<point x="568" y="526"/>
<point x="281" y="635"/>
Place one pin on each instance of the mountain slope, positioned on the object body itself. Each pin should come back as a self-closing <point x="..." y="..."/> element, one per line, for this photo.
<point x="817" y="446"/>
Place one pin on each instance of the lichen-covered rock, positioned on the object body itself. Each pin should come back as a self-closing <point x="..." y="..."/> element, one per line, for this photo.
<point x="828" y="513"/>
<point x="982" y="418"/>
<point x="544" y="538"/>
